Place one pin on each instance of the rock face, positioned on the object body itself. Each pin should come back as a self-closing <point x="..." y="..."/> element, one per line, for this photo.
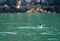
<point x="39" y="10"/>
<point x="49" y="5"/>
<point x="2" y="2"/>
<point x="6" y="7"/>
<point x="11" y="2"/>
<point x="31" y="11"/>
<point x="28" y="1"/>
<point x="18" y="4"/>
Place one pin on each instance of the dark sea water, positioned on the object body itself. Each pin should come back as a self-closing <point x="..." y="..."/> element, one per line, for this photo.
<point x="24" y="27"/>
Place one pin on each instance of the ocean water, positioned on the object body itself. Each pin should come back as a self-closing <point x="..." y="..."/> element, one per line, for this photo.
<point x="24" y="27"/>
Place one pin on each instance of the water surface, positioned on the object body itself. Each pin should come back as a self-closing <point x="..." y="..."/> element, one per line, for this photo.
<point x="24" y="27"/>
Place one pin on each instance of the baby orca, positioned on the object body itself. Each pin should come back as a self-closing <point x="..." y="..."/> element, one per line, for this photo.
<point x="40" y="26"/>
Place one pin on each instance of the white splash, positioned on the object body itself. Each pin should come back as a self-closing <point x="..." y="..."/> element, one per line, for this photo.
<point x="40" y="26"/>
<point x="8" y="33"/>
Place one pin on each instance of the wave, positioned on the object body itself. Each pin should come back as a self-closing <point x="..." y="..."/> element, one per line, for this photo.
<point x="25" y="27"/>
<point x="8" y="33"/>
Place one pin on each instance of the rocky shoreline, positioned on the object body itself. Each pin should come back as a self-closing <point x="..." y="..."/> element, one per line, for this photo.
<point x="28" y="8"/>
<point x="22" y="9"/>
<point x="39" y="10"/>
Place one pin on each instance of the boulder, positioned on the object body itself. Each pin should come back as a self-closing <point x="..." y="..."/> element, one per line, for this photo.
<point x="39" y="10"/>
<point x="18" y="4"/>
<point x="31" y="11"/>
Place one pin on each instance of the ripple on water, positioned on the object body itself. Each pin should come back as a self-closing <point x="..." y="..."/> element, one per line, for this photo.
<point x="47" y="33"/>
<point x="54" y="39"/>
<point x="27" y="27"/>
<point x="34" y="39"/>
<point x="29" y="34"/>
<point x="8" y="33"/>
<point x="58" y="33"/>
